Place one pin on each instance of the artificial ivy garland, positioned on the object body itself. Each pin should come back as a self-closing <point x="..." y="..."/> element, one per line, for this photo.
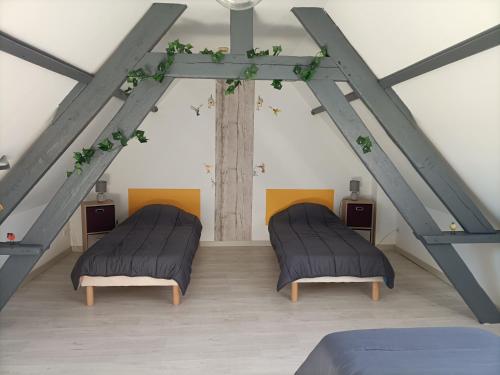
<point x="105" y="145"/>
<point x="176" y="47"/>
<point x="365" y="143"/>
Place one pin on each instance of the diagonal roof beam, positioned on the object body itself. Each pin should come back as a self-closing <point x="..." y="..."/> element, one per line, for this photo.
<point x="74" y="190"/>
<point x="478" y="43"/>
<point x="405" y="200"/>
<point x="79" y="112"/>
<point x="421" y="153"/>
<point x="41" y="58"/>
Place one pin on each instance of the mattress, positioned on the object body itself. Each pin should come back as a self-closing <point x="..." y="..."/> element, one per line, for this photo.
<point x="158" y="241"/>
<point x="409" y="351"/>
<point x="311" y="241"/>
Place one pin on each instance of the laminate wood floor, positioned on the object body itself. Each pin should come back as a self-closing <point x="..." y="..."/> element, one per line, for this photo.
<point x="232" y="320"/>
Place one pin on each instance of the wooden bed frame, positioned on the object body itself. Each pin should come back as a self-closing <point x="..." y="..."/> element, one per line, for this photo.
<point x="186" y="199"/>
<point x="89" y="282"/>
<point x="280" y="199"/>
<point x="374" y="281"/>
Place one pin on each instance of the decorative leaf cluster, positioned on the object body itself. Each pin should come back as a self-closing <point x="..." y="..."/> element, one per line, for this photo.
<point x="251" y="53"/>
<point x="249" y="73"/>
<point x="136" y="76"/>
<point x="365" y="143"/>
<point x="307" y="72"/>
<point x="276" y="83"/>
<point x="233" y="83"/>
<point x="106" y="145"/>
<point x="217" y="57"/>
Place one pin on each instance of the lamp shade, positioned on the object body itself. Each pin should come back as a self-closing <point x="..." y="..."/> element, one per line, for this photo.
<point x="100" y="187"/>
<point x="238" y="4"/>
<point x="354" y="186"/>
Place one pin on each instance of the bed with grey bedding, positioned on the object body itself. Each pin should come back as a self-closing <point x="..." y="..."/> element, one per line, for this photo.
<point x="409" y="351"/>
<point x="311" y="241"/>
<point x="158" y="241"/>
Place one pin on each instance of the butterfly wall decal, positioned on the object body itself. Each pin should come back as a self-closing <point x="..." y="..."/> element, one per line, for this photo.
<point x="276" y="110"/>
<point x="196" y="109"/>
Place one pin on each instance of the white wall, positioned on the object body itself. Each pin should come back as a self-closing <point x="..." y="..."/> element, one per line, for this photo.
<point x="299" y="151"/>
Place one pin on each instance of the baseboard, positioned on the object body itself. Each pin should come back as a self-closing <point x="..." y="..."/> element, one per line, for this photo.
<point x="39" y="270"/>
<point x="234" y="243"/>
<point x="439" y="274"/>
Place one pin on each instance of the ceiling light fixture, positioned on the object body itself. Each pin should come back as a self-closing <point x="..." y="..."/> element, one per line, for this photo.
<point x="238" y="4"/>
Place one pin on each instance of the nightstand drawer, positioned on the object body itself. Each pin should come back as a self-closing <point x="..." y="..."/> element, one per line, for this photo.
<point x="100" y="218"/>
<point x="359" y="215"/>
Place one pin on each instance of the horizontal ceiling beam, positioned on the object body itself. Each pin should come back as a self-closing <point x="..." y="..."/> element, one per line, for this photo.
<point x="7" y="248"/>
<point x="478" y="43"/>
<point x="84" y="105"/>
<point x="41" y="58"/>
<point x="420" y="152"/>
<point x="270" y="67"/>
<point x="461" y="237"/>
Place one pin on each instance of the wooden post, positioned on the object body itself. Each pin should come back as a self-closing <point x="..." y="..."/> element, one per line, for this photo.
<point x="294" y="292"/>
<point x="375" y="290"/>
<point x="176" y="295"/>
<point x="234" y="162"/>
<point x="90" y="295"/>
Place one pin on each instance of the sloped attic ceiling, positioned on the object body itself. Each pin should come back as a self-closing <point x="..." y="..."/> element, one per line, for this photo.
<point x="388" y="34"/>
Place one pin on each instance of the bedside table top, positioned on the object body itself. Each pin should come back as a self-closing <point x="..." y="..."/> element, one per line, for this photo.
<point x="361" y="200"/>
<point x="107" y="202"/>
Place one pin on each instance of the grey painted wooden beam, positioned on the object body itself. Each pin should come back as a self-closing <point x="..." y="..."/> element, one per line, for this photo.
<point x="41" y="58"/>
<point x="50" y="145"/>
<point x="421" y="153"/>
<point x="76" y="187"/>
<point x="241" y="30"/>
<point x="478" y="43"/>
<point x="270" y="67"/>
<point x="7" y="248"/>
<point x="404" y="199"/>
<point x="461" y="237"/>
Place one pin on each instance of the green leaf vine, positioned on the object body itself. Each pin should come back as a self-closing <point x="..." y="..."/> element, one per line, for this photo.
<point x="365" y="143"/>
<point x="217" y="57"/>
<point x="307" y="72"/>
<point x="136" y="76"/>
<point x="85" y="156"/>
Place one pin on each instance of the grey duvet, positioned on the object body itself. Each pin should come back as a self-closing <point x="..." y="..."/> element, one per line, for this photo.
<point x="311" y="241"/>
<point x="406" y="351"/>
<point x="158" y="241"/>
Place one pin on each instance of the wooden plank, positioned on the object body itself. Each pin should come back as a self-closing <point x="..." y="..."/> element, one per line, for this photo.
<point x="41" y="58"/>
<point x="7" y="248"/>
<point x="76" y="187"/>
<point x="241" y="31"/>
<point x="234" y="137"/>
<point x="461" y="237"/>
<point x="234" y="162"/>
<point x="404" y="199"/>
<point x="270" y="67"/>
<point x="478" y="43"/>
<point x="26" y="172"/>
<point x="421" y="153"/>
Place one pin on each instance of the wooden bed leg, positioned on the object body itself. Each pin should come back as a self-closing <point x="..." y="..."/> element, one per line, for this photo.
<point x="375" y="290"/>
<point x="294" y="291"/>
<point x="90" y="295"/>
<point x="176" y="295"/>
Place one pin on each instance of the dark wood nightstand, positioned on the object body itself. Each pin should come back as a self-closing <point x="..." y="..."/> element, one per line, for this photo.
<point x="98" y="219"/>
<point x="359" y="215"/>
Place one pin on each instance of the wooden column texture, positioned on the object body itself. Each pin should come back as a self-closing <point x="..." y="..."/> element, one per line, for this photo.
<point x="234" y="162"/>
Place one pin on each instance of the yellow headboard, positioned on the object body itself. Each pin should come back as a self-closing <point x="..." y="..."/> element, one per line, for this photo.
<point x="280" y="199"/>
<point x="186" y="199"/>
